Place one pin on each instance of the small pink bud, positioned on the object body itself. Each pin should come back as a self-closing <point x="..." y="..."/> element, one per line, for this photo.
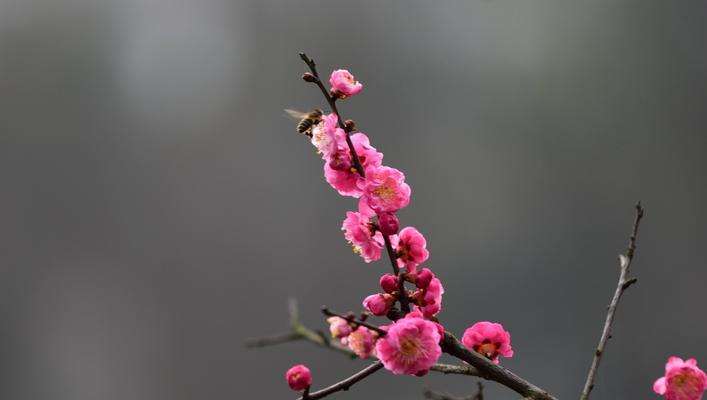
<point x="388" y="224"/>
<point x="389" y="283"/>
<point x="424" y="277"/>
<point x="307" y="77"/>
<point x="344" y="84"/>
<point x="378" y="304"/>
<point x="339" y="327"/>
<point x="298" y="377"/>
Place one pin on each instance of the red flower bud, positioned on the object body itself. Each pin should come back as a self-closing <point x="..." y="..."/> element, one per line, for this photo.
<point x="388" y="223"/>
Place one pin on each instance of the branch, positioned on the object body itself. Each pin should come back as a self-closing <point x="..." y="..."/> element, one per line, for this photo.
<point x="624" y="283"/>
<point x="352" y="320"/>
<point x="430" y="395"/>
<point x="493" y="372"/>
<point x="345" y="384"/>
<point x="301" y="332"/>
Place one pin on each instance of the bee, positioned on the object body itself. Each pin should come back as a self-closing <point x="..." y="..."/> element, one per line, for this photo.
<point x="307" y="120"/>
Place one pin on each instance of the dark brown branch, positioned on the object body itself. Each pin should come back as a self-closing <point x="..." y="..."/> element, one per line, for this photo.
<point x="346" y="383"/>
<point x="332" y="104"/>
<point x="624" y="283"/>
<point x="430" y="395"/>
<point x="493" y="372"/>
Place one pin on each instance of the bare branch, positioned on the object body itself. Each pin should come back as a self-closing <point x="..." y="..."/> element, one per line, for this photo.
<point x="345" y="384"/>
<point x="624" y="283"/>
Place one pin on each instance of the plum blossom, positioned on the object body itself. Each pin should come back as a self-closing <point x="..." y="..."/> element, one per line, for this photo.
<point x="348" y="182"/>
<point x="432" y="296"/>
<point x="344" y="84"/>
<point x="411" y="248"/>
<point x="298" y="377"/>
<point x="410" y="347"/>
<point x="389" y="283"/>
<point x="361" y="341"/>
<point x="327" y="137"/>
<point x="338" y="327"/>
<point x="385" y="190"/>
<point x="488" y="339"/>
<point x="683" y="380"/>
<point x="364" y="239"/>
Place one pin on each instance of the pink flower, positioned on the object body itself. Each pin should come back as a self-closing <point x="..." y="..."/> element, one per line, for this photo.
<point x="432" y="296"/>
<point x="298" y="377"/>
<point x="683" y="380"/>
<point x="343" y="83"/>
<point x="389" y="283"/>
<point x="365" y="240"/>
<point x="339" y="327"/>
<point x="379" y="304"/>
<point x="411" y="248"/>
<point x="489" y="339"/>
<point x="410" y="347"/>
<point x="385" y="189"/>
<point x="361" y="341"/>
<point x="423" y="278"/>
<point x="327" y="137"/>
<point x="348" y="182"/>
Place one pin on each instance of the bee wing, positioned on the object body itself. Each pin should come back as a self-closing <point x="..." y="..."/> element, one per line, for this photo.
<point x="294" y="114"/>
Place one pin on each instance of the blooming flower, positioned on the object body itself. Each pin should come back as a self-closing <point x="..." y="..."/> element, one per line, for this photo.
<point x="365" y="240"/>
<point x="339" y="327"/>
<point x="489" y="339"/>
<point x="379" y="304"/>
<point x="683" y="380"/>
<point x="348" y="182"/>
<point x="327" y="137"/>
<point x="298" y="377"/>
<point x="344" y="84"/>
<point x="361" y="341"/>
<point x="411" y="248"/>
<point x="385" y="189"/>
<point x="411" y="346"/>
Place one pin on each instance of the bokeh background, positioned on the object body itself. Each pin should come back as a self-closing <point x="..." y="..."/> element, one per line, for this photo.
<point x="157" y="208"/>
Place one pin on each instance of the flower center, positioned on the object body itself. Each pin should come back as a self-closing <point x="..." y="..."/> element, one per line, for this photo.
<point x="488" y="349"/>
<point x="409" y="347"/>
<point x="384" y="192"/>
<point x="685" y="384"/>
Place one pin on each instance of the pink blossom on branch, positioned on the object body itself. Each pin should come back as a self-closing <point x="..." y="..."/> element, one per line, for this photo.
<point x="411" y="248"/>
<point x="389" y="283"/>
<point x="488" y="339"/>
<point x="432" y="298"/>
<point x="298" y="377"/>
<point x="347" y="181"/>
<point x="339" y="327"/>
<point x="365" y="240"/>
<point x="327" y="137"/>
<point x="683" y="380"/>
<point x="379" y="304"/>
<point x="361" y="341"/>
<point x="343" y="83"/>
<point x="411" y="346"/>
<point x="385" y="190"/>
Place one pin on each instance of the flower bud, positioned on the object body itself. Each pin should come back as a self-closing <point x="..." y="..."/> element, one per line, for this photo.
<point x="388" y="223"/>
<point x="424" y="277"/>
<point x="344" y="83"/>
<point x="298" y="377"/>
<point x="307" y="77"/>
<point x="378" y="304"/>
<point x="339" y="327"/>
<point x="389" y="283"/>
<point x="350" y="125"/>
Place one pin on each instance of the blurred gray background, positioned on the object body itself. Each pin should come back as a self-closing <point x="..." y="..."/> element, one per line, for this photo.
<point x="157" y="208"/>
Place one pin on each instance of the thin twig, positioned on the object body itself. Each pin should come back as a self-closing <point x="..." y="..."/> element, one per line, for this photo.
<point x="353" y="320"/>
<point x="346" y="383"/>
<point x="431" y="395"/>
<point x="624" y="283"/>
